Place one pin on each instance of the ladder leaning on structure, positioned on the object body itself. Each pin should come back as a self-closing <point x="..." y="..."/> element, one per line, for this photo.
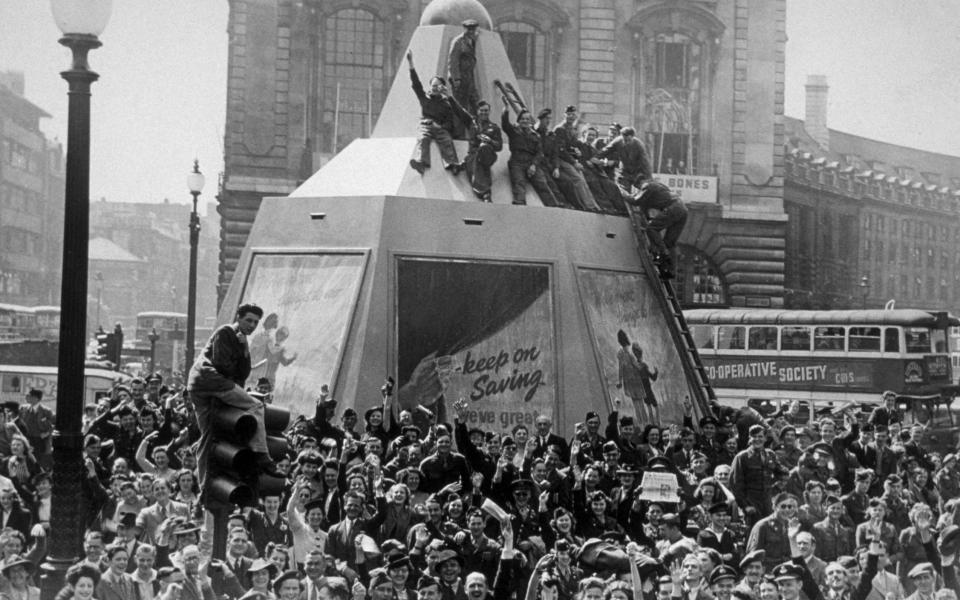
<point x="697" y="380"/>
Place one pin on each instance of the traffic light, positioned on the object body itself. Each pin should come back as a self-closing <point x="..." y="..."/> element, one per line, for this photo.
<point x="106" y="347"/>
<point x="231" y="469"/>
<point x="117" y="347"/>
<point x="233" y="480"/>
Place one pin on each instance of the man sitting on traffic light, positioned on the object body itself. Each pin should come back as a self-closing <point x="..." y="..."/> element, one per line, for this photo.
<point x="217" y="379"/>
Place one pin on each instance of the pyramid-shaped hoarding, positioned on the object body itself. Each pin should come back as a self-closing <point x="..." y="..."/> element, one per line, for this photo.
<point x="370" y="269"/>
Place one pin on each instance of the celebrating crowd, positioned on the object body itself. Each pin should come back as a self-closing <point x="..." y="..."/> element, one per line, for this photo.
<point x="389" y="507"/>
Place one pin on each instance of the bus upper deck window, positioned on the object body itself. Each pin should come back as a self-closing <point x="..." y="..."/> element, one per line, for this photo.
<point x="795" y="338"/>
<point x="731" y="337"/>
<point x="918" y="340"/>
<point x="864" y="339"/>
<point x="763" y="338"/>
<point x="891" y="340"/>
<point x="828" y="339"/>
<point x="702" y="336"/>
<point x="939" y="339"/>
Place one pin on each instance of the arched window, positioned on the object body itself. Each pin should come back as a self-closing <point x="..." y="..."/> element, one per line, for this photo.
<point x="353" y="76"/>
<point x="698" y="281"/>
<point x="526" y="48"/>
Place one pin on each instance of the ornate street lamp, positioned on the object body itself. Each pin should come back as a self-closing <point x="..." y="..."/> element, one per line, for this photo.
<point x="81" y="21"/>
<point x="195" y="183"/>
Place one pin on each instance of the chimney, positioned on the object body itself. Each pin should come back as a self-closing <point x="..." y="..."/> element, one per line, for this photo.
<point x="816" y="109"/>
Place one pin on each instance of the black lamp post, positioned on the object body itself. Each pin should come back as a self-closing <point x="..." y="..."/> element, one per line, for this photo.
<point x="153" y="336"/>
<point x="195" y="183"/>
<point x="865" y="289"/>
<point x="81" y="21"/>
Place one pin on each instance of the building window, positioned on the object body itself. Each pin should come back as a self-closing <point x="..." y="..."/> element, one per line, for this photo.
<point x="673" y="103"/>
<point x="698" y="280"/>
<point x="353" y="76"/>
<point x="673" y="60"/>
<point x="526" y="49"/>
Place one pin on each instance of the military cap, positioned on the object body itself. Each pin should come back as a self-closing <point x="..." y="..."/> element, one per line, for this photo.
<point x="721" y="573"/>
<point x="720" y="508"/>
<point x="755" y="429"/>
<point x="923" y="568"/>
<point x="864" y="474"/>
<point x="544" y="113"/>
<point x="659" y="463"/>
<point x="787" y="570"/>
<point x="610" y="446"/>
<point x="752" y="557"/>
<point x="570" y="109"/>
<point x="822" y="447"/>
<point x="949" y="541"/>
<point x="470" y="23"/>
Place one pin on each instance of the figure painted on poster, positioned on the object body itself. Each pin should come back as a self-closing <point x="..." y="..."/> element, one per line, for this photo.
<point x="635" y="379"/>
<point x="267" y="350"/>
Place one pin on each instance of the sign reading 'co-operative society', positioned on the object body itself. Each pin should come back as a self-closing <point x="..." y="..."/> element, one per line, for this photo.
<point x="780" y="373"/>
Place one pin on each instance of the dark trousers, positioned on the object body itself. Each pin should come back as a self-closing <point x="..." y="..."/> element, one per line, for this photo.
<point x="670" y="221"/>
<point x="581" y="195"/>
<point x="520" y="175"/>
<point x="478" y="163"/>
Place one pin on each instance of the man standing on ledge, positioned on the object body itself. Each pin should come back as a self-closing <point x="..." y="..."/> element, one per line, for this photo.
<point x="217" y="379"/>
<point x="461" y="67"/>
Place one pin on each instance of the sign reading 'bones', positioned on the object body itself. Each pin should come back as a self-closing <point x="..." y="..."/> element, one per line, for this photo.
<point x="478" y="331"/>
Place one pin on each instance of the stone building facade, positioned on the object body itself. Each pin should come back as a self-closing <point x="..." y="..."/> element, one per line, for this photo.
<point x="702" y="80"/>
<point x="869" y="221"/>
<point x="31" y="200"/>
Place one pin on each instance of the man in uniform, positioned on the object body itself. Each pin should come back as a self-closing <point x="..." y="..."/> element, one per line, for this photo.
<point x="568" y="170"/>
<point x="526" y="156"/>
<point x="665" y="227"/>
<point x="485" y="142"/>
<point x="753" y="474"/>
<point x="461" y="67"/>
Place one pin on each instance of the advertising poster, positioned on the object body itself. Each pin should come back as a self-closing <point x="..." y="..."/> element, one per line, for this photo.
<point x="307" y="302"/>
<point x="480" y="331"/>
<point x="617" y="302"/>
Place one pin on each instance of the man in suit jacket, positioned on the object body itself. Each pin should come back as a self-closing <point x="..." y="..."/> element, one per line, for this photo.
<point x="218" y="377"/>
<point x="807" y="544"/>
<point x="195" y="585"/>
<point x="884" y="461"/>
<point x="163" y="508"/>
<point x="681" y="458"/>
<point x="341" y="536"/>
<point x="237" y="543"/>
<point x="11" y="514"/>
<point x="544" y="439"/>
<point x="115" y="584"/>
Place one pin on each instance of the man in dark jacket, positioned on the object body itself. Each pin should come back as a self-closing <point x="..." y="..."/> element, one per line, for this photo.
<point x="217" y="379"/>
<point x="665" y="227"/>
<point x="526" y="156"/>
<point x="437" y="113"/>
<point x="485" y="142"/>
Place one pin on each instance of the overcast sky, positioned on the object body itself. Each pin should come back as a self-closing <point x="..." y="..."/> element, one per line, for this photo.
<point x="891" y="66"/>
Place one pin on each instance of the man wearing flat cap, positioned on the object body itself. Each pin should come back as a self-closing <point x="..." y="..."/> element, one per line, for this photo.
<point x="461" y="66"/>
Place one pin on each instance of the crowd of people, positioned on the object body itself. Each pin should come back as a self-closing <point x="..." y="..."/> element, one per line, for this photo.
<point x="378" y="505"/>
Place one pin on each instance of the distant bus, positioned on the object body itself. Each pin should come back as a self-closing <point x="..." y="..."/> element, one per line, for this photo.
<point x="838" y="356"/>
<point x="171" y="327"/>
<point x="16" y="381"/>
<point x="17" y="322"/>
<point x="47" y="322"/>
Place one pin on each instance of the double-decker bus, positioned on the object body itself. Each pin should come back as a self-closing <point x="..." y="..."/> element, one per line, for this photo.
<point x="829" y="356"/>
<point x="47" y="321"/>
<point x="171" y="328"/>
